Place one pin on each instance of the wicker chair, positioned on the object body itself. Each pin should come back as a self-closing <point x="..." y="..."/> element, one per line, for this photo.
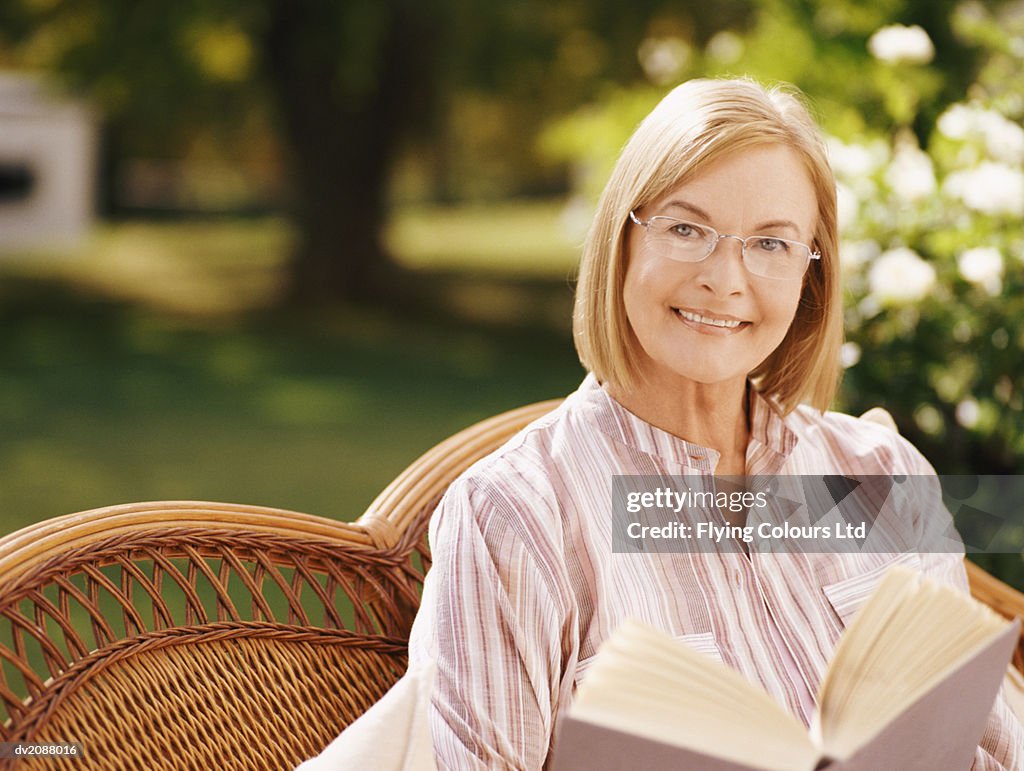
<point x="195" y="635"/>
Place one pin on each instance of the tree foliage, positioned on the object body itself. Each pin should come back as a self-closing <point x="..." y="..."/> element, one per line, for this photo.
<point x="344" y="87"/>
<point x="338" y="85"/>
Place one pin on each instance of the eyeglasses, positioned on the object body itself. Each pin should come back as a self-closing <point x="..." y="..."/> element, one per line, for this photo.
<point x="765" y="256"/>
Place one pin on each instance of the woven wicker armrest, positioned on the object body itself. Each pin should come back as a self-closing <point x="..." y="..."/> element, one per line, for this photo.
<point x="197" y="635"/>
<point x="999" y="596"/>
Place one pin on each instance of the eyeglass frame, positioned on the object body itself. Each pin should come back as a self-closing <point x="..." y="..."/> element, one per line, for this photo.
<point x="812" y="254"/>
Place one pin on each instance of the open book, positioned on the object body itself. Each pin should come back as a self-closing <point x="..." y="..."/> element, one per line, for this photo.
<point x="910" y="686"/>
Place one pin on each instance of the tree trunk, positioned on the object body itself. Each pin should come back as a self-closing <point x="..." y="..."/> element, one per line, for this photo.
<point x="342" y="116"/>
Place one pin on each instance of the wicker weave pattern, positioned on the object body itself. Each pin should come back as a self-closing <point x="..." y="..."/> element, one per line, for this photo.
<point x="191" y="635"/>
<point x="218" y="698"/>
<point x="168" y="634"/>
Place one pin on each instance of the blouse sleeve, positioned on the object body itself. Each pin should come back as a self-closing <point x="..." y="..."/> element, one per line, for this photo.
<point x="942" y="557"/>
<point x="492" y="622"/>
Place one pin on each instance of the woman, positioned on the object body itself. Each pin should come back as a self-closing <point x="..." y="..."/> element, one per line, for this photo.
<point x="708" y="317"/>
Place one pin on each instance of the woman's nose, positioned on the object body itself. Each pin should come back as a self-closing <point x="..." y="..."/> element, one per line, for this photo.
<point x="723" y="272"/>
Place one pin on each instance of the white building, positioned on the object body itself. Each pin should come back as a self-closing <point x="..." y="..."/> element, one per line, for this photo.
<point x="48" y="156"/>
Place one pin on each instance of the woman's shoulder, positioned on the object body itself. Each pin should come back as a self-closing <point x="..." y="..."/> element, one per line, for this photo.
<point x="538" y="451"/>
<point x="518" y="478"/>
<point x="508" y="504"/>
<point x="869" y="443"/>
<point x="527" y="452"/>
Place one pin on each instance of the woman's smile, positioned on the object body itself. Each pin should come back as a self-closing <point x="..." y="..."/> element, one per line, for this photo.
<point x="708" y="323"/>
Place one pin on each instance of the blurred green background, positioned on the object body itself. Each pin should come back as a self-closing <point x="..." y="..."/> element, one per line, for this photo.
<point x="331" y="234"/>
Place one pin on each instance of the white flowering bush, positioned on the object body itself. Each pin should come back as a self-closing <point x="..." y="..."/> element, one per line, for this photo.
<point x="898" y="277"/>
<point x="933" y="260"/>
<point x="983" y="266"/>
<point x="897" y="44"/>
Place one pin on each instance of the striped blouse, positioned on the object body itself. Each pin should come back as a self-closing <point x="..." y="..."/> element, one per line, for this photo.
<point x="525" y="584"/>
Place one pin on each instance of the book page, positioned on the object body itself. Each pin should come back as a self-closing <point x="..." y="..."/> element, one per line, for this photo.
<point x="904" y="641"/>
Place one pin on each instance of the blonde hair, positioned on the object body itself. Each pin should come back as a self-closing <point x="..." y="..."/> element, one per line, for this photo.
<point x="697" y="123"/>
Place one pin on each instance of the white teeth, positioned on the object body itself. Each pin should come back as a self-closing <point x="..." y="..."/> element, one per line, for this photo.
<point x="708" y="320"/>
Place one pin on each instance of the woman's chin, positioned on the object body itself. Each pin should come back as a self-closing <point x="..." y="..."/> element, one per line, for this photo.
<point x="675" y="377"/>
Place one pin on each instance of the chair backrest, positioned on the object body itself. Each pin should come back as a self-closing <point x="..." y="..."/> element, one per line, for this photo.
<point x="202" y="635"/>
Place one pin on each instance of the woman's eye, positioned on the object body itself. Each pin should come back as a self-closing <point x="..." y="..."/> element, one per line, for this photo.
<point x="774" y="245"/>
<point x="684" y="230"/>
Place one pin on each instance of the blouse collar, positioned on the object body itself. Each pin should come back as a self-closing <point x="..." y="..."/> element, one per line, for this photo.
<point x="771" y="440"/>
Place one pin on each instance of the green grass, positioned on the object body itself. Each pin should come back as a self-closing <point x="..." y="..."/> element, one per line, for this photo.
<point x="526" y="239"/>
<point x="102" y="405"/>
<point x="192" y="268"/>
<point x="226" y="267"/>
<point x="133" y="370"/>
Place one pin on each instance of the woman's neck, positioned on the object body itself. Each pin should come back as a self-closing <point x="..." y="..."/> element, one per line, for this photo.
<point x="713" y="416"/>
